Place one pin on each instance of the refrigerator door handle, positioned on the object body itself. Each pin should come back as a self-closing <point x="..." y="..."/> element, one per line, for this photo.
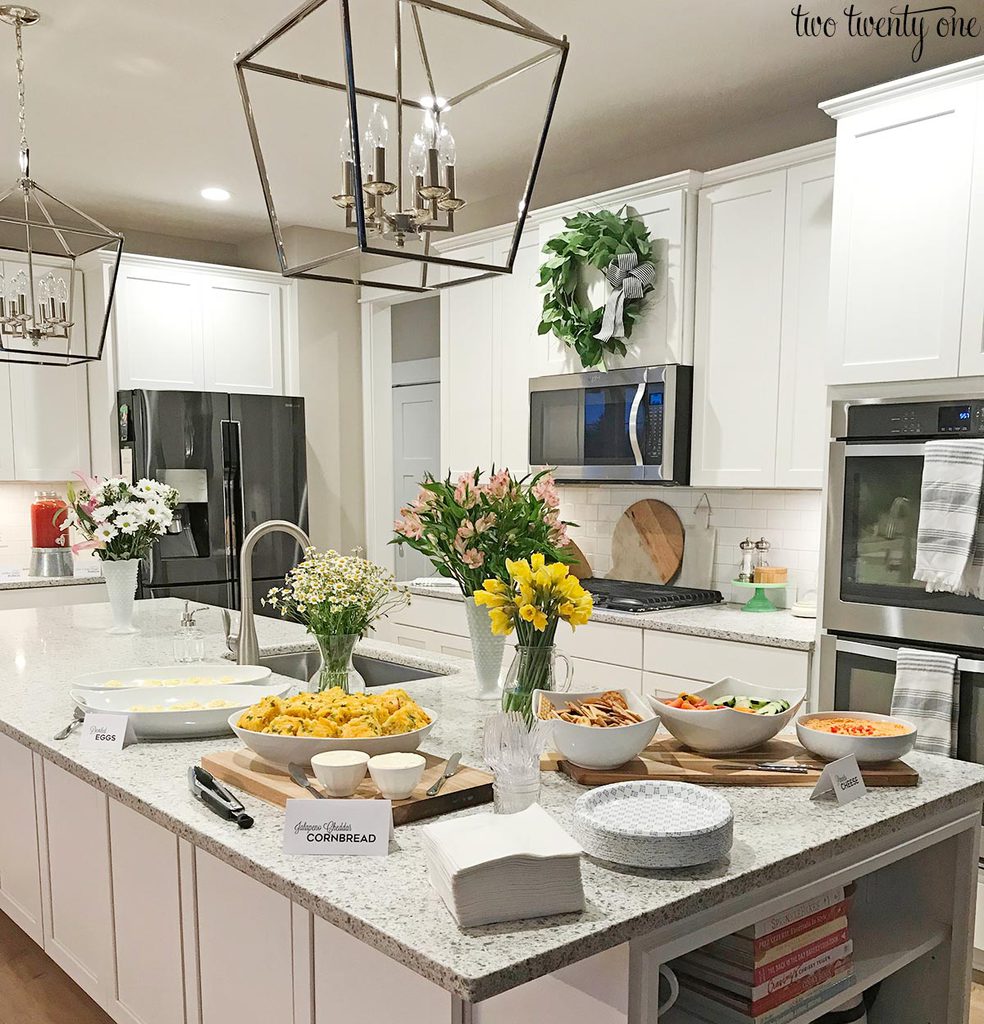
<point x="227" y="505"/>
<point x="232" y="430"/>
<point x="144" y="406"/>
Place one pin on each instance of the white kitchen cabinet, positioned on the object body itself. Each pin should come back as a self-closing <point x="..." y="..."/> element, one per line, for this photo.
<point x="467" y="393"/>
<point x="193" y="327"/>
<point x="159" y="327"/>
<point x="243" y="336"/>
<point x="801" y="420"/>
<point x="905" y="159"/>
<point x="150" y="984"/>
<point x="49" y="408"/>
<point x="20" y="867"/>
<point x="737" y="331"/>
<point x="245" y="951"/>
<point x="972" y="330"/>
<point x="77" y="896"/>
<point x="763" y="255"/>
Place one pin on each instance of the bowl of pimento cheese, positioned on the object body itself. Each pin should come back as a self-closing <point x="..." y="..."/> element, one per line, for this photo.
<point x="870" y="737"/>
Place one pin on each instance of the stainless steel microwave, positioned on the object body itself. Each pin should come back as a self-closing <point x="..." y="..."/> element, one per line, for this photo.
<point x="620" y="425"/>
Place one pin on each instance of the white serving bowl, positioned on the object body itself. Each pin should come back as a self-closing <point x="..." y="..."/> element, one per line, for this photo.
<point x="284" y="750"/>
<point x="340" y="772"/>
<point x="158" y="676"/>
<point x="867" y="749"/>
<point x="592" y="747"/>
<point x="396" y="774"/>
<point x="727" y="731"/>
<point x="161" y="725"/>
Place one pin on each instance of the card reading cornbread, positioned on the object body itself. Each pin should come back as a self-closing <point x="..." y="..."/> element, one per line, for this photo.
<point x="338" y="828"/>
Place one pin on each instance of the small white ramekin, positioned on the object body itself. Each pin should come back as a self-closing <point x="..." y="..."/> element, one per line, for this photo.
<point x="340" y="771"/>
<point x="396" y="775"/>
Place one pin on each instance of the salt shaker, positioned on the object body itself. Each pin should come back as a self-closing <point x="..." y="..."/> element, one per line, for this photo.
<point x="189" y="644"/>
<point x="746" y="571"/>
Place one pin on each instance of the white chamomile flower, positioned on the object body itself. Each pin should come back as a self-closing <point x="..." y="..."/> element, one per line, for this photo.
<point x="127" y="523"/>
<point x="146" y="487"/>
<point x="102" y="512"/>
<point x="105" y="533"/>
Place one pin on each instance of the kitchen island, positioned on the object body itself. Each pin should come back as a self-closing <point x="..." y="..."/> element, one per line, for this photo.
<point x="164" y="913"/>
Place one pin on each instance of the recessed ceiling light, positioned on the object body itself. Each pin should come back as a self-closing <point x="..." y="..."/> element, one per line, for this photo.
<point x="217" y="195"/>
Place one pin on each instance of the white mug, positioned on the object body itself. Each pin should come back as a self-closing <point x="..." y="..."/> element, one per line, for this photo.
<point x="674" y="986"/>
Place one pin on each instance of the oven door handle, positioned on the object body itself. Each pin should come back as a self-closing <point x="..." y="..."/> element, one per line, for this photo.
<point x="634" y="423"/>
<point x="867" y="450"/>
<point x="892" y="654"/>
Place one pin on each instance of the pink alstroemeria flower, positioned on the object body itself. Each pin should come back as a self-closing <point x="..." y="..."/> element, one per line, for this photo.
<point x="85" y="545"/>
<point x="90" y="483"/>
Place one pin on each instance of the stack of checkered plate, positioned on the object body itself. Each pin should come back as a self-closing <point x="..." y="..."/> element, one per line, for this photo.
<point x="654" y="824"/>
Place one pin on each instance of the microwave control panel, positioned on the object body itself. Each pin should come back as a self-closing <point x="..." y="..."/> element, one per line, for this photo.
<point x="916" y="419"/>
<point x="653" y="453"/>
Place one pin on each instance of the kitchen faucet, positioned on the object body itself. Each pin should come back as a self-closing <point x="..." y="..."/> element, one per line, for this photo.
<point x="244" y="645"/>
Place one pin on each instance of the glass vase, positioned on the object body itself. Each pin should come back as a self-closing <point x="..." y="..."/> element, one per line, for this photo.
<point x="121" y="586"/>
<point x="487" y="649"/>
<point x="336" y="664"/>
<point x="533" y="668"/>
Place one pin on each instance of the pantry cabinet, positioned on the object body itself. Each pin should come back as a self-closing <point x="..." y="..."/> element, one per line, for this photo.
<point x="763" y="249"/>
<point x="20" y="866"/>
<point x="900" y="264"/>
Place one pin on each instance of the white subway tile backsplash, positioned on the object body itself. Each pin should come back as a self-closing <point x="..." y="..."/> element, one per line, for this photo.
<point x="789" y="520"/>
<point x="15" y="522"/>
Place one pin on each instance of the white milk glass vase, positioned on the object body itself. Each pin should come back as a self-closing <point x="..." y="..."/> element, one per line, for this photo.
<point x="487" y="650"/>
<point x="121" y="585"/>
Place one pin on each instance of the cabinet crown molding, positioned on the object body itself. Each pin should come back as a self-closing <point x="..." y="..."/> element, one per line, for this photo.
<point x="951" y="74"/>
<point x="773" y="162"/>
<point x="134" y="259"/>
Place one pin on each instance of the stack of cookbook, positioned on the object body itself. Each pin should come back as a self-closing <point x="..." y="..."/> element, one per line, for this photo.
<point x="503" y="867"/>
<point x="774" y="971"/>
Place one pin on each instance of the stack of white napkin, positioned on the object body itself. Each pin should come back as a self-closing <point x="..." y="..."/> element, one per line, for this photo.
<point x="504" y="867"/>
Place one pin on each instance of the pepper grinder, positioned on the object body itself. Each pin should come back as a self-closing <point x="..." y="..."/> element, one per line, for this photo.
<point x="189" y="644"/>
<point x="747" y="570"/>
<point x="761" y="548"/>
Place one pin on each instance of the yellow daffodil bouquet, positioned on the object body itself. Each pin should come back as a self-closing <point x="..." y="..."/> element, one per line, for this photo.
<point x="536" y="598"/>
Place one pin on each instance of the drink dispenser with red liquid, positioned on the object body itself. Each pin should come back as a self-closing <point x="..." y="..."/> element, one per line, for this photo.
<point x="51" y="552"/>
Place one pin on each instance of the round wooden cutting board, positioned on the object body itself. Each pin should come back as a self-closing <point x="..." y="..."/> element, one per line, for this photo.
<point x="647" y="545"/>
<point x="579" y="567"/>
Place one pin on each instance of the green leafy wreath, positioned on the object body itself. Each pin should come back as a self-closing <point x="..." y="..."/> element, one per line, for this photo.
<point x="594" y="240"/>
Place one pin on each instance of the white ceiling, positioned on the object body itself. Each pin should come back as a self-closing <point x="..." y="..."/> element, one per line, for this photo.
<point x="133" y="106"/>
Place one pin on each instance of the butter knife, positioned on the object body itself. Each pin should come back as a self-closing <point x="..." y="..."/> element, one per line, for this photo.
<point x="449" y="769"/>
<point x="789" y="769"/>
<point x="299" y="775"/>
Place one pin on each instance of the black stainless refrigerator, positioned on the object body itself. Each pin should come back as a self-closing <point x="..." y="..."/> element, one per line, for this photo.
<point x="236" y="461"/>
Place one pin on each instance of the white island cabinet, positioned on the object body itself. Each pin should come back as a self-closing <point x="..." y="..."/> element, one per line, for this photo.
<point x="906" y="256"/>
<point x="20" y="867"/>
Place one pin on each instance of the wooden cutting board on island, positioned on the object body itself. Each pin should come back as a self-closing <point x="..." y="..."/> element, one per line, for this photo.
<point x="667" y="760"/>
<point x="250" y="773"/>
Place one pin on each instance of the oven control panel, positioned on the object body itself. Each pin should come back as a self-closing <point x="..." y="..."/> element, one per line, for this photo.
<point x="917" y="419"/>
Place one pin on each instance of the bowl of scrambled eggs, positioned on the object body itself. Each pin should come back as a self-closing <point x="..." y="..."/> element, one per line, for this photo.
<point x="293" y="729"/>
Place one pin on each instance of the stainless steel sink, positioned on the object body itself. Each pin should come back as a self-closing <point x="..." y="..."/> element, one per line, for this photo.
<point x="376" y="671"/>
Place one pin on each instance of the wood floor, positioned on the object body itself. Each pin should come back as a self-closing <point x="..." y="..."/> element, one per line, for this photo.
<point x="34" y="991"/>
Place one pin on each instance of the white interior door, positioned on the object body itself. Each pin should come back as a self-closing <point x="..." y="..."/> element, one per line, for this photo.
<point x="416" y="451"/>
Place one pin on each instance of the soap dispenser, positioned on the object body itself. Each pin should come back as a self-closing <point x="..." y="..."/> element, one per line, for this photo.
<point x="189" y="644"/>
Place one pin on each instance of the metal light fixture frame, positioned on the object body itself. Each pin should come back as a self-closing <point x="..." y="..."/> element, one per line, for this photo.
<point x="508" y="21"/>
<point x="101" y="237"/>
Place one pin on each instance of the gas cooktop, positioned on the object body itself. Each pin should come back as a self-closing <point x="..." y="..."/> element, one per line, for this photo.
<point x="624" y="596"/>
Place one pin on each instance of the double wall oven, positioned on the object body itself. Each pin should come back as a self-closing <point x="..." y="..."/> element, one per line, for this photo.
<point x="872" y="606"/>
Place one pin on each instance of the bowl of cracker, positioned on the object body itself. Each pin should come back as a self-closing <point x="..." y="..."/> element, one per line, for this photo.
<point x="599" y="730"/>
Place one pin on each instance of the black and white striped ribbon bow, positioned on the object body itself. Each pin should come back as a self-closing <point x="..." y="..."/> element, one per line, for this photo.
<point x="629" y="280"/>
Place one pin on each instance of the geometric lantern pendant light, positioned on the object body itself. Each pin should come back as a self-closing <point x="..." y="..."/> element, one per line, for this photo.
<point x="383" y="129"/>
<point x="45" y="244"/>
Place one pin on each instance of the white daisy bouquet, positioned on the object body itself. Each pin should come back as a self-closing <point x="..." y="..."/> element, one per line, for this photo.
<point x="337" y="595"/>
<point x="119" y="520"/>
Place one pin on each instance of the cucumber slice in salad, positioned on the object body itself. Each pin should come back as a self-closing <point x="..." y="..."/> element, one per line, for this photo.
<point x="759" y="707"/>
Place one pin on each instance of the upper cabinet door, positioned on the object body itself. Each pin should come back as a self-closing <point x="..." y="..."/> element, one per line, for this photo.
<point x="243" y="334"/>
<point x="972" y="336"/>
<point x="466" y="370"/>
<point x="159" y="329"/>
<point x="49" y="408"/>
<point x="737" y="331"/>
<point x="802" y="422"/>
<point x="6" y="426"/>
<point x="900" y="237"/>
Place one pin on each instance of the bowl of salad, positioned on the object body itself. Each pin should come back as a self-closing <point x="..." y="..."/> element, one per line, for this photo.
<point x="729" y="716"/>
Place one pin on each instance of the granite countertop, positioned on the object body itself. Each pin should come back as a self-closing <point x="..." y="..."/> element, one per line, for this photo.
<point x="25" y="581"/>
<point x="387" y="902"/>
<point x="717" y="621"/>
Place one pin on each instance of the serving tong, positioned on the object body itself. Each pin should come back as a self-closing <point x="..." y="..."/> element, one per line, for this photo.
<point x="207" y="788"/>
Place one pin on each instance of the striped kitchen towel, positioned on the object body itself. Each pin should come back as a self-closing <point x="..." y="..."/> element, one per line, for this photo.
<point x="926" y="694"/>
<point x="950" y="537"/>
